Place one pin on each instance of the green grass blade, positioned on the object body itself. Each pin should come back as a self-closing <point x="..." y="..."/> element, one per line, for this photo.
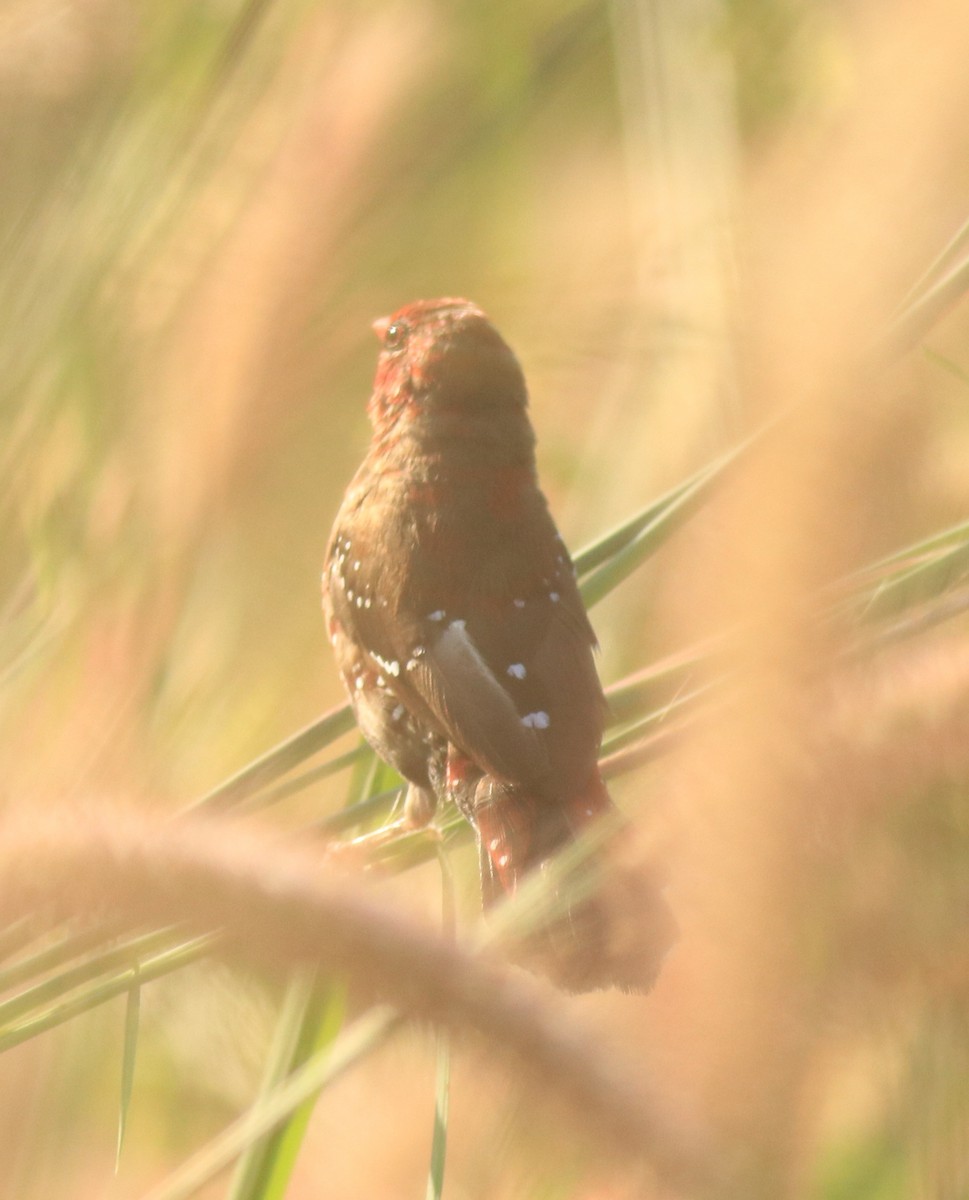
<point x="938" y="265"/>
<point x="916" y="551"/>
<point x="435" y="1176"/>
<point x="276" y="762"/>
<point x="14" y="937"/>
<point x="269" y="1112"/>
<point x="692" y="489"/>
<point x="414" y="847"/>
<point x="132" y="1022"/>
<point x="70" y="945"/>
<point x="631" y="544"/>
<point x="612" y="543"/>
<point x="651" y="687"/>
<point x="106" y="989"/>
<point x="911" y="576"/>
<point x="300" y="782"/>
<point x="646" y="750"/>
<point x="915" y="321"/>
<point x="602" y="550"/>
<point x="655" y="719"/>
<point x="647" y="540"/>
<point x="310" y="1020"/>
<point x="947" y="364"/>
<point x="360" y="813"/>
<point x="364" y="782"/>
<point x="442" y="1090"/>
<point x="920" y="583"/>
<point x="106" y="962"/>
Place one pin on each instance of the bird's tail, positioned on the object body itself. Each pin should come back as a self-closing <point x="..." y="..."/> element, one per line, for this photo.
<point x="608" y="924"/>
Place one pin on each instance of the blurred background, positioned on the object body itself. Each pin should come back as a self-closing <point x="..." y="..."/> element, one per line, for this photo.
<point x="681" y="216"/>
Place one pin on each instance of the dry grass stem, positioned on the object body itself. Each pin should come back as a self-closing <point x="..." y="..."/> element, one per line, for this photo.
<point x="278" y="909"/>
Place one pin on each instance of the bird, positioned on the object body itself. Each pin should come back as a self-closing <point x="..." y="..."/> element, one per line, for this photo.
<point x="460" y="635"/>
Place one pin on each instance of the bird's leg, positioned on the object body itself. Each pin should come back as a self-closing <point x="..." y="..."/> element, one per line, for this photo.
<point x="460" y="779"/>
<point x="365" y="850"/>
<point x="419" y="806"/>
<point x="463" y="781"/>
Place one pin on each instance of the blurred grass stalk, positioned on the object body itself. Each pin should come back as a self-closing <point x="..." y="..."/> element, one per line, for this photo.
<point x="679" y="127"/>
<point x="837" y="225"/>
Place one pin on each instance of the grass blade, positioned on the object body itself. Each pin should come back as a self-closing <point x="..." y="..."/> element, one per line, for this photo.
<point x="276" y="762"/>
<point x="657" y="718"/>
<point x="640" y="693"/>
<point x="646" y="541"/>
<point x="108" y="961"/>
<point x="69" y="946"/>
<point x="115" y="985"/>
<point x="921" y="582"/>
<point x="132" y="1021"/>
<point x="270" y="1111"/>
<point x="311" y="1018"/>
<point x="300" y="782"/>
<point x="958" y="242"/>
<point x="14" y="938"/>
<point x="947" y="364"/>
<point x="915" y="321"/>
<point x="617" y="540"/>
<point x="442" y="1090"/>
<point x="910" y="576"/>
<point x="361" y="812"/>
<point x="435" y="1177"/>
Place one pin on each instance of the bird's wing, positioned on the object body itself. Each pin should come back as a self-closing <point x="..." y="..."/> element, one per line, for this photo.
<point x="516" y="690"/>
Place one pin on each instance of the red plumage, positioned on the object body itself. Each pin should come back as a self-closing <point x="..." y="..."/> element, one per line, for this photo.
<point x="462" y="639"/>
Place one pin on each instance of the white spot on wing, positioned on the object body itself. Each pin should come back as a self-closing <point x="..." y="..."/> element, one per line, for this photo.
<point x="536" y="720"/>
<point x="517" y="670"/>
<point x="437" y="615"/>
<point x="553" y="596"/>
<point x="518" y="603"/>
<point x="458" y="625"/>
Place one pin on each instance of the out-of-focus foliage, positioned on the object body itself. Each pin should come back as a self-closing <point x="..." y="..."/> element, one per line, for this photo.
<point x="203" y="204"/>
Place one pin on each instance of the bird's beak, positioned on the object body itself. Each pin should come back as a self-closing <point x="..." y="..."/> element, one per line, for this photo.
<point x="380" y="327"/>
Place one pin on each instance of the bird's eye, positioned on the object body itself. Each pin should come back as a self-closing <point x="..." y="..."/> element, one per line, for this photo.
<point x="396" y="335"/>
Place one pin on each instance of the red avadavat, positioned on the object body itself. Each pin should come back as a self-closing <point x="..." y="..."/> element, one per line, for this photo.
<point x="463" y="642"/>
